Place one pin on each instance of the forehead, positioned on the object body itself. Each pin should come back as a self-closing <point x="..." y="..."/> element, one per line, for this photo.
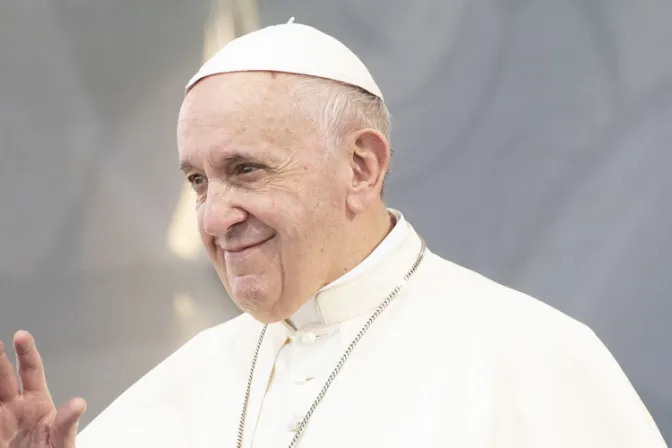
<point x="253" y="110"/>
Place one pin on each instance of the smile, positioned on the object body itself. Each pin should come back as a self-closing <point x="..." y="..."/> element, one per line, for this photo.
<point x="244" y="250"/>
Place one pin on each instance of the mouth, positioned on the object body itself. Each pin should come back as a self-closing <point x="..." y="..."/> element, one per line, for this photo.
<point x="241" y="250"/>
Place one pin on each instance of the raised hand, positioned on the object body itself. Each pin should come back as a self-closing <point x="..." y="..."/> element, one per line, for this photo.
<point x="28" y="417"/>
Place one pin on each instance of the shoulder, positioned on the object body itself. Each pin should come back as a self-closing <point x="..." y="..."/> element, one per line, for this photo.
<point x="523" y="334"/>
<point x="164" y="393"/>
<point x="491" y="308"/>
<point x="218" y="338"/>
<point x="226" y="333"/>
<point x="229" y="340"/>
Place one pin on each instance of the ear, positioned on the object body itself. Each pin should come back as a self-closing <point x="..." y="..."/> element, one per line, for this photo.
<point x="370" y="160"/>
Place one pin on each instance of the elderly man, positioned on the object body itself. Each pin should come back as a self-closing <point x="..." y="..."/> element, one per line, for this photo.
<point x="353" y="333"/>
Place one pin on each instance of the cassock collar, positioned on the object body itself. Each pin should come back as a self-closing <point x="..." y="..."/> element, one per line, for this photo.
<point x="363" y="288"/>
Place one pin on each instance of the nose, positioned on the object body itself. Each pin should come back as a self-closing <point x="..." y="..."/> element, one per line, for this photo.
<point x="221" y="211"/>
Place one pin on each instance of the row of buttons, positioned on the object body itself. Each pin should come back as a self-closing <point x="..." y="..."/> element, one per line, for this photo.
<point x="307" y="338"/>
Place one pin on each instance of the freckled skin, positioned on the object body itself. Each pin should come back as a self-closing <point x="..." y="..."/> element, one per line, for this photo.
<point x="261" y="172"/>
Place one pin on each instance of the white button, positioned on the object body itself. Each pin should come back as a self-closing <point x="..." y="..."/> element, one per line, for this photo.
<point x="308" y="338"/>
<point x="294" y="425"/>
<point x="302" y="379"/>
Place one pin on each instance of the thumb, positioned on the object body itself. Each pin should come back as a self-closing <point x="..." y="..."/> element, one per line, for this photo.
<point x="64" y="429"/>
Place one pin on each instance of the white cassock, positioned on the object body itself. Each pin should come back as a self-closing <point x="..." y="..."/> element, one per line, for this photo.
<point x="456" y="360"/>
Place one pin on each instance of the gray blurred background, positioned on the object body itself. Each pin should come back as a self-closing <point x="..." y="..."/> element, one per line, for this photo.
<point x="532" y="143"/>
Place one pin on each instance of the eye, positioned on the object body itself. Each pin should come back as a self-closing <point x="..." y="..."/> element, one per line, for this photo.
<point x="245" y="168"/>
<point x="196" y="179"/>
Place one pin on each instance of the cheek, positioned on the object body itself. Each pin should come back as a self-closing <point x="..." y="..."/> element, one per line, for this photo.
<point x="280" y="211"/>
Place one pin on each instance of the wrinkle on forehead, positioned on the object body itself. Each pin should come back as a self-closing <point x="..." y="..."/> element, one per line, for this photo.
<point x="235" y="91"/>
<point x="246" y="109"/>
<point x="240" y="97"/>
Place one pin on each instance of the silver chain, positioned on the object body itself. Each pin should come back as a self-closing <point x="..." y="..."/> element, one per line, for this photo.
<point x="304" y="422"/>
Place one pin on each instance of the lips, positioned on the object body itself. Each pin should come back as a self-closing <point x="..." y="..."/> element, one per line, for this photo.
<point x="242" y="248"/>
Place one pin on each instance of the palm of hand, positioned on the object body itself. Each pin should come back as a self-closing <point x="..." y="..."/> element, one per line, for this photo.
<point x="28" y="417"/>
<point x="25" y="420"/>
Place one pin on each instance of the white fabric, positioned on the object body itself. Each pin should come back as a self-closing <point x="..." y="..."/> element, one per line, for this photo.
<point x="310" y="315"/>
<point x="290" y="48"/>
<point x="455" y="361"/>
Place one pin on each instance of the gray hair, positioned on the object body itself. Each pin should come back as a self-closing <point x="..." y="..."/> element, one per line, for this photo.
<point x="337" y="108"/>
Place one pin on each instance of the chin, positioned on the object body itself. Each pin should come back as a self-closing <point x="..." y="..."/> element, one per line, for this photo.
<point x="264" y="311"/>
<point x="261" y="299"/>
<point x="258" y="304"/>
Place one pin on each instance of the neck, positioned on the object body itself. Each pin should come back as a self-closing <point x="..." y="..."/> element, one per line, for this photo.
<point x="366" y="235"/>
<point x="359" y="290"/>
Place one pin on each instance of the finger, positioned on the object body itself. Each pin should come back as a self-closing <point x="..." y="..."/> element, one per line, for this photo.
<point x="31" y="370"/>
<point x="9" y="385"/>
<point x="64" y="430"/>
<point x="41" y="437"/>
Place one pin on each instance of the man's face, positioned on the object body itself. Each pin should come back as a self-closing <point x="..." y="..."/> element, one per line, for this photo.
<point x="270" y="197"/>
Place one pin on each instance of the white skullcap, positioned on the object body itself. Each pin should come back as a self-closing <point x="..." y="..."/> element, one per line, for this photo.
<point x="290" y="48"/>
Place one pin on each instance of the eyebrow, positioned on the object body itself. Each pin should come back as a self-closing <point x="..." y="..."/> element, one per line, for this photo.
<point x="186" y="166"/>
<point x="229" y="159"/>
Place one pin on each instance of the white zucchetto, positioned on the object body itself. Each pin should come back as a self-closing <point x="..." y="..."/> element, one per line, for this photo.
<point x="290" y="48"/>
